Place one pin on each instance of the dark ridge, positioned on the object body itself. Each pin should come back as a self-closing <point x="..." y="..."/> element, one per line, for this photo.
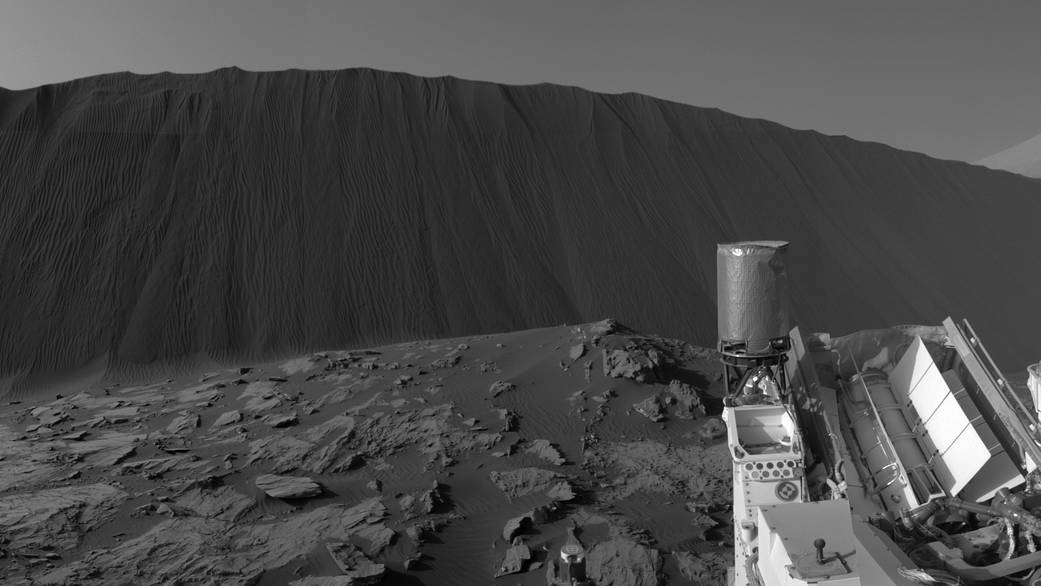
<point x="233" y="214"/>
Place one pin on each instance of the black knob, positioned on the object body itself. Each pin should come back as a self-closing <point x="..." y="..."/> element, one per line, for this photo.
<point x="819" y="544"/>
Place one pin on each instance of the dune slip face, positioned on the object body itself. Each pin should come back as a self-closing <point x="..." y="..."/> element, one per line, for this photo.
<point x="392" y="465"/>
<point x="167" y="219"/>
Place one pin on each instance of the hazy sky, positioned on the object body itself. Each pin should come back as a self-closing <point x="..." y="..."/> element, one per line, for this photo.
<point x="954" y="79"/>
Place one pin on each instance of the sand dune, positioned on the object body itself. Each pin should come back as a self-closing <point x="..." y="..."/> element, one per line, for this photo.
<point x="155" y="218"/>
<point x="1023" y="158"/>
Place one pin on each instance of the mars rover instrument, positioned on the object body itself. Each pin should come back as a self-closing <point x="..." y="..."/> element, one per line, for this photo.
<point x="898" y="456"/>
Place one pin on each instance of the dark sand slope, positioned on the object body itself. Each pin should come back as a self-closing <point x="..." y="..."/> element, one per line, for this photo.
<point x="236" y="214"/>
<point x="428" y="458"/>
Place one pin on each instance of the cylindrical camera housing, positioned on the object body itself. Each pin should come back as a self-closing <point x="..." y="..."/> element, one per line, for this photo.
<point x="752" y="288"/>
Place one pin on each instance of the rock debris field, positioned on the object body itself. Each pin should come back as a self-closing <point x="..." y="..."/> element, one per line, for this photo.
<point x="461" y="461"/>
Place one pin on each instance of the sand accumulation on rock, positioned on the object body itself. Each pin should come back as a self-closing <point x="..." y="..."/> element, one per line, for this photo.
<point x="375" y="467"/>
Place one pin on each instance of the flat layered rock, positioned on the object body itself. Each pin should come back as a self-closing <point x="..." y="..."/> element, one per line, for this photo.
<point x="287" y="487"/>
<point x="57" y="517"/>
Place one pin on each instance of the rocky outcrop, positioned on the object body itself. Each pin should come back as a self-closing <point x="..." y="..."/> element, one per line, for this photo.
<point x="651" y="467"/>
<point x="708" y="568"/>
<point x="623" y="562"/>
<point x="56" y="517"/>
<point x="686" y="400"/>
<point x="193" y="549"/>
<point x="525" y="481"/>
<point x="636" y="362"/>
<point x="217" y="499"/>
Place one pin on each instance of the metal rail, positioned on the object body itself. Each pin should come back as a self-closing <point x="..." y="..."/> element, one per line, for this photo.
<point x="1007" y="406"/>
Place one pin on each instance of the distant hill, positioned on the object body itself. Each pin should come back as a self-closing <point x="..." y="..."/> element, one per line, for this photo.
<point x="153" y="218"/>
<point x="1023" y="158"/>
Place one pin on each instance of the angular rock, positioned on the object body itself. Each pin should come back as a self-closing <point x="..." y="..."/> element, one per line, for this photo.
<point x="279" y="421"/>
<point x="171" y="444"/>
<point x="407" y="504"/>
<point x="545" y="450"/>
<point x="605" y="327"/>
<point x="336" y="456"/>
<point x="633" y="362"/>
<point x="623" y="562"/>
<point x="712" y="429"/>
<point x="651" y="408"/>
<point x="260" y="396"/>
<point x="111" y="457"/>
<point x="708" y="568"/>
<point x="515" y="561"/>
<point x="688" y="402"/>
<point x="222" y="502"/>
<point x="284" y="452"/>
<point x="561" y="491"/>
<point x="287" y="487"/>
<point x="446" y="362"/>
<point x="499" y="387"/>
<point x="119" y="415"/>
<point x="514" y="526"/>
<point x="509" y="420"/>
<point x="577" y="351"/>
<point x="431" y="499"/>
<point x="183" y="424"/>
<point x="379" y="537"/>
<point x="324" y="581"/>
<point x="354" y="564"/>
<point x="701" y="521"/>
<point x="228" y="418"/>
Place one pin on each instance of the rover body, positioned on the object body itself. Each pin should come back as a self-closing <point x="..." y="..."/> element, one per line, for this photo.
<point x="893" y="456"/>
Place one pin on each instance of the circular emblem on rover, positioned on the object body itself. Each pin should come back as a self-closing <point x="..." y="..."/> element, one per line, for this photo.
<point x="786" y="491"/>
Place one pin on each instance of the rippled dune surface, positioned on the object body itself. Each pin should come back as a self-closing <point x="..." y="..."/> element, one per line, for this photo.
<point x="152" y="219"/>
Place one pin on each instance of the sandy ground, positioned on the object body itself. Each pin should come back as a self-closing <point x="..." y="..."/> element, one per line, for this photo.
<point x="417" y="463"/>
<point x="239" y="215"/>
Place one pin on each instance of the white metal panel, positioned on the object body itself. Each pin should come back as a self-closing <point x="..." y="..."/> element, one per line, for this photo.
<point x="961" y="451"/>
<point x="947" y="423"/>
<point x="966" y="457"/>
<point x="913" y="365"/>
